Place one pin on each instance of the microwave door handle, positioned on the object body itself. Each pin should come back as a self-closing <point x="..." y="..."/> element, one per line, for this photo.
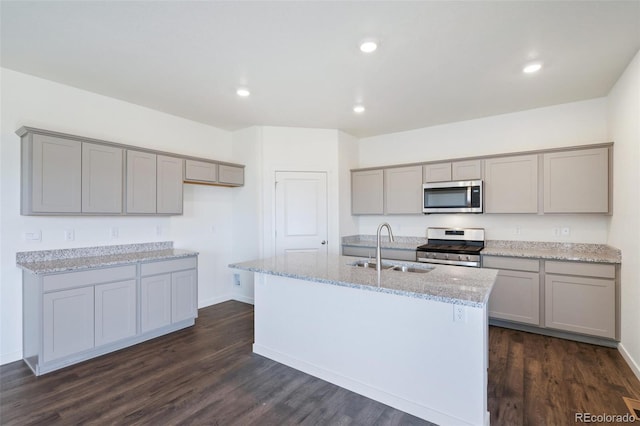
<point x="468" y="196"/>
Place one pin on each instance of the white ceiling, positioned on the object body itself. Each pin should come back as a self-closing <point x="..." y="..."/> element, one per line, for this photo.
<point x="438" y="62"/>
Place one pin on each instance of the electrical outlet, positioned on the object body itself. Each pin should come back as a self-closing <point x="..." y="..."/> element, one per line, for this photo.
<point x="69" y="235"/>
<point x="459" y="313"/>
<point x="33" y="236"/>
<point x="565" y="231"/>
<point x="115" y="233"/>
<point x="236" y="279"/>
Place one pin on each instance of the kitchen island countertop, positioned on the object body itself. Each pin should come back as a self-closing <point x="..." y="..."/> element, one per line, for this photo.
<point x="449" y="284"/>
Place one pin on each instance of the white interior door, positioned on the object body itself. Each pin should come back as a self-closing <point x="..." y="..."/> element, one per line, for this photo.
<point x="301" y="212"/>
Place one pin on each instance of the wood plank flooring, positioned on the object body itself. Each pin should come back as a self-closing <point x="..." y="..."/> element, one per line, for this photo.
<point x="207" y="375"/>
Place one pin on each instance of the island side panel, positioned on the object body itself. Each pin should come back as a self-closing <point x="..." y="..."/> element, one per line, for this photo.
<point x="402" y="351"/>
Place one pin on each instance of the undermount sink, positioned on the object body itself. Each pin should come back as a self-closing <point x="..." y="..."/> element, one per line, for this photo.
<point x="391" y="267"/>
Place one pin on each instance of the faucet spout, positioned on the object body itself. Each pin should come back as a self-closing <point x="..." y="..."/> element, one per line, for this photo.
<point x="378" y="251"/>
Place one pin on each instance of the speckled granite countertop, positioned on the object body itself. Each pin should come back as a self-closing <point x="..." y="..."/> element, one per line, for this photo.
<point x="601" y="253"/>
<point x="400" y="243"/>
<point x="66" y="260"/>
<point x="580" y="252"/>
<point x="450" y="284"/>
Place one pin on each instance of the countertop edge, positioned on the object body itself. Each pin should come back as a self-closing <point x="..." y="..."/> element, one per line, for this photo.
<point x="103" y="264"/>
<point x="386" y="290"/>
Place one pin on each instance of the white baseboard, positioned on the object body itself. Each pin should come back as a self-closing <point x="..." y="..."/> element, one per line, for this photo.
<point x="361" y="388"/>
<point x="214" y="301"/>
<point x="10" y="357"/>
<point x="630" y="361"/>
<point x="243" y="299"/>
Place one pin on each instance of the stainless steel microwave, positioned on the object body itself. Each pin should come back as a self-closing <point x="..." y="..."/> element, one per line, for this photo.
<point x="453" y="197"/>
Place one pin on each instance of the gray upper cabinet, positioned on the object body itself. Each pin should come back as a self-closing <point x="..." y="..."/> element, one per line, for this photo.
<point x="200" y="171"/>
<point x="440" y="172"/>
<point x="403" y="190"/>
<point x="102" y="174"/>
<point x="466" y="170"/>
<point x="576" y="181"/>
<point x="367" y="192"/>
<point x="141" y="182"/>
<point x="450" y="171"/>
<point x="230" y="175"/>
<point x="169" y="185"/>
<point x="511" y="184"/>
<point x="51" y="175"/>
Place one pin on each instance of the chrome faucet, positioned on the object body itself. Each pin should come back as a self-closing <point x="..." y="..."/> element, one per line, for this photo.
<point x="378" y="251"/>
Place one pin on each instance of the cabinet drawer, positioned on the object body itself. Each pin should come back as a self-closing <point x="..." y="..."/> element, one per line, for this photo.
<point x="512" y="263"/>
<point x="166" y="266"/>
<point x="601" y="270"/>
<point x="90" y="277"/>
<point x="201" y="171"/>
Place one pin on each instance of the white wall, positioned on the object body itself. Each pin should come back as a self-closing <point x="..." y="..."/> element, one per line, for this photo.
<point x="571" y="124"/>
<point x="347" y="160"/>
<point x="624" y="232"/>
<point x="35" y="102"/>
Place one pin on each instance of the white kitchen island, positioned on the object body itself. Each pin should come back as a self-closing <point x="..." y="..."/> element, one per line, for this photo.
<point x="415" y="341"/>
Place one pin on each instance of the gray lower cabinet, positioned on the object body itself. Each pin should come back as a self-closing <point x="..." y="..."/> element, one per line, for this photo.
<point x="156" y="302"/>
<point x="516" y="292"/>
<point x="115" y="311"/>
<point x="68" y="317"/>
<point x="169" y="293"/>
<point x="51" y="175"/>
<point x="73" y="316"/>
<point x="581" y="298"/>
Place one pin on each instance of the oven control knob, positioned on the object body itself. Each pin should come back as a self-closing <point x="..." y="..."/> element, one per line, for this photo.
<point x="468" y="257"/>
<point x="460" y="257"/>
<point x="446" y="256"/>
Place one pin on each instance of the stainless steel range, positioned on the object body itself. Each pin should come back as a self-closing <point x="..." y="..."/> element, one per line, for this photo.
<point x="452" y="246"/>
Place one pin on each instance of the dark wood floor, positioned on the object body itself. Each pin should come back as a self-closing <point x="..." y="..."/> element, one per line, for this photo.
<point x="207" y="375"/>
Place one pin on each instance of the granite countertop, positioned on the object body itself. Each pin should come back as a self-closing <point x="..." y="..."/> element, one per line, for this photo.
<point x="450" y="284"/>
<point x="600" y="253"/>
<point x="66" y="260"/>
<point x="579" y="252"/>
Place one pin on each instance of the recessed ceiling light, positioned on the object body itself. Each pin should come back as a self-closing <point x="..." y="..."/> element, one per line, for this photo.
<point x="368" y="46"/>
<point x="243" y="92"/>
<point x="532" y="67"/>
<point x="359" y="109"/>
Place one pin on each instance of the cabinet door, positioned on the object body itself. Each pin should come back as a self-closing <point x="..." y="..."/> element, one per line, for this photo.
<point x="367" y="192"/>
<point x="403" y="190"/>
<point x="155" y="306"/>
<point x="511" y="184"/>
<point x="201" y="171"/>
<point x="440" y="172"/>
<point x="577" y="181"/>
<point x="184" y="295"/>
<point x="516" y="297"/>
<point x="116" y="313"/>
<point x="231" y="175"/>
<point x="56" y="175"/>
<point x="466" y="170"/>
<point x="67" y="318"/>
<point x="169" y="185"/>
<point x="101" y="178"/>
<point x="580" y="304"/>
<point x="141" y="182"/>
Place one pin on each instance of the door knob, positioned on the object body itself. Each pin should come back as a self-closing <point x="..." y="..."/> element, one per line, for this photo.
<point x="323" y="242"/>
